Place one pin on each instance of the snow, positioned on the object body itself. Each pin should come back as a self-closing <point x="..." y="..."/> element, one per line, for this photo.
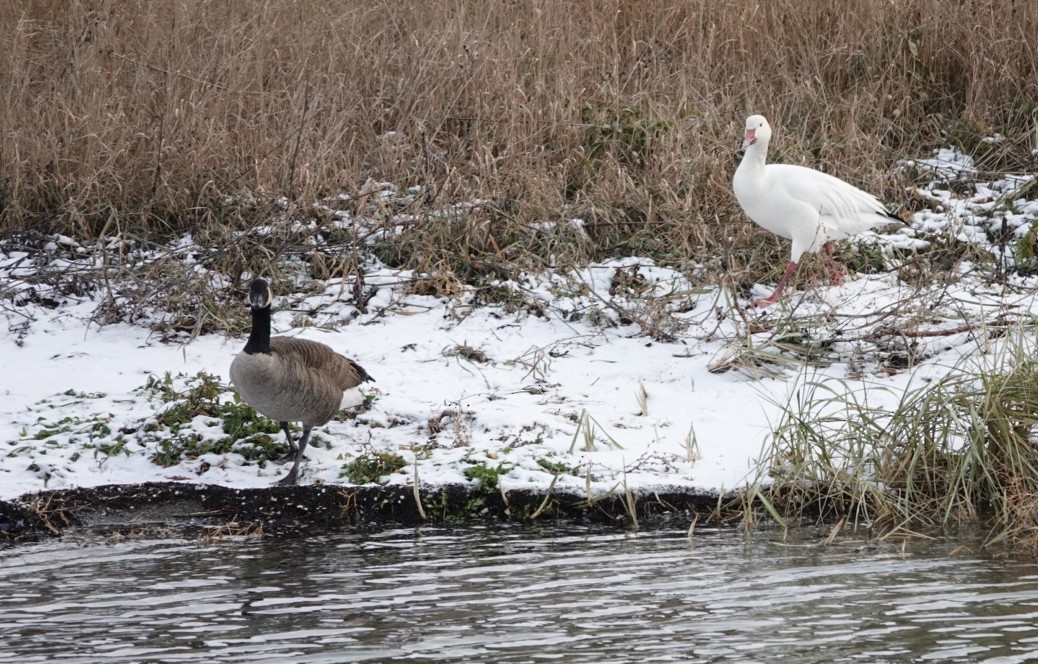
<point x="521" y="389"/>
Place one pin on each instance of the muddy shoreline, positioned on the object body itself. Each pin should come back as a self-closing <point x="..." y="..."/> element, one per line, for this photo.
<point x="175" y="506"/>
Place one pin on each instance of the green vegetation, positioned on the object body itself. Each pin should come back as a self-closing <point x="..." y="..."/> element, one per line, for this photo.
<point x="255" y="437"/>
<point x="90" y="432"/>
<point x="624" y="136"/>
<point x="488" y="484"/>
<point x="372" y="467"/>
<point x="556" y="467"/>
<point x="487" y="478"/>
<point x="1026" y="251"/>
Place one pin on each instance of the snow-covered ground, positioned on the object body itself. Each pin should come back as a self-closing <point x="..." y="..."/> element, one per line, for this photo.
<point x="566" y="391"/>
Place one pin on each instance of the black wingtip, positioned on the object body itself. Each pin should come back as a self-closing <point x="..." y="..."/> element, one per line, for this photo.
<point x="893" y="217"/>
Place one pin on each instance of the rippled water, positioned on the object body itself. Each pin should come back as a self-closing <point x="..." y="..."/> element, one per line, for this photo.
<point x="509" y="594"/>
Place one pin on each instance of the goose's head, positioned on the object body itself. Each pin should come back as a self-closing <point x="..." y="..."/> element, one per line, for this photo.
<point x="757" y="129"/>
<point x="260" y="294"/>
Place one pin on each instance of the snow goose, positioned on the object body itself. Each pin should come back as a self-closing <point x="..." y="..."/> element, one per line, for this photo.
<point x="292" y="380"/>
<point x="801" y="204"/>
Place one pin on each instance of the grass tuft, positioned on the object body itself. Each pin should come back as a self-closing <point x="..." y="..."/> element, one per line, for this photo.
<point x="960" y="448"/>
<point x="372" y="467"/>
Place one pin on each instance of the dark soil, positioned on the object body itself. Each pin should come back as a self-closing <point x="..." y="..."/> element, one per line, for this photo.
<point x="307" y="509"/>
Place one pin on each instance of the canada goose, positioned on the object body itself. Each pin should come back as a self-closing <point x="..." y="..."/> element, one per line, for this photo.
<point x="804" y="205"/>
<point x="291" y="380"/>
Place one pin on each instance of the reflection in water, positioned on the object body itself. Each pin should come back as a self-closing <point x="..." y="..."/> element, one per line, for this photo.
<point x="505" y="593"/>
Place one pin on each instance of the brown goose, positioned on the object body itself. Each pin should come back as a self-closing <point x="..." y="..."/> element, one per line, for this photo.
<point x="291" y="380"/>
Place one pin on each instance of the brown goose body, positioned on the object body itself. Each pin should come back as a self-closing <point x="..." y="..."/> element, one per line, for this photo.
<point x="291" y="380"/>
<point x="297" y="381"/>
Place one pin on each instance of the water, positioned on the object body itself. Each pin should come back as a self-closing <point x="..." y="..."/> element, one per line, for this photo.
<point x="510" y="594"/>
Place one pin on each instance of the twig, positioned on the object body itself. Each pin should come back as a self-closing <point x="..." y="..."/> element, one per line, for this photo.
<point x="966" y="327"/>
<point x="162" y="70"/>
<point x="646" y="326"/>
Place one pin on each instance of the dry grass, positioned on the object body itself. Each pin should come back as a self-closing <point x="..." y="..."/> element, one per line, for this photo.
<point x="149" y="118"/>
<point x="960" y="449"/>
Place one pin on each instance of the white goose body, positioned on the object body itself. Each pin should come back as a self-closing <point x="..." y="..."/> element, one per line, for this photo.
<point x="806" y="206"/>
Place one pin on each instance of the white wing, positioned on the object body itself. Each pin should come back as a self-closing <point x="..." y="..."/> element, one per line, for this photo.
<point x="843" y="208"/>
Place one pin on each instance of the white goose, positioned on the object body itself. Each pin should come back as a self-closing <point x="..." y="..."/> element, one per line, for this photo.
<point x="800" y="204"/>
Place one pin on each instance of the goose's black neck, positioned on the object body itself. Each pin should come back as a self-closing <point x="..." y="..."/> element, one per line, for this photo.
<point x="259" y="337"/>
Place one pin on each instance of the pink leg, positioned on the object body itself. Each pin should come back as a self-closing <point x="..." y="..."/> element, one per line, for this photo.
<point x="791" y="267"/>
<point x="837" y="275"/>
